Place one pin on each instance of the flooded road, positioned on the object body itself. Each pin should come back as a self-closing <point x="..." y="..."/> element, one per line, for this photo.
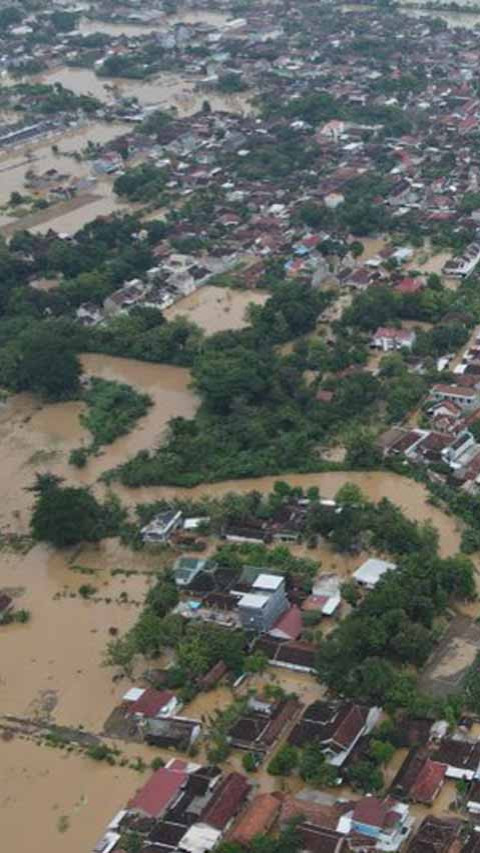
<point x="216" y="309"/>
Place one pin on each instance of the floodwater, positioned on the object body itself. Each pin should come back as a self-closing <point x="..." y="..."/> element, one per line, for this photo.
<point x="54" y="801"/>
<point x="467" y="20"/>
<point x="217" y="309"/>
<point x="411" y="496"/>
<point x="39" y="157"/>
<point x="35" y="437"/>
<point x="164" y="91"/>
<point x="186" y="16"/>
<point x="52" y="666"/>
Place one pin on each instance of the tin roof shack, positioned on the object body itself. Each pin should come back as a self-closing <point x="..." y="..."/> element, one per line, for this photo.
<point x="336" y="725"/>
<point x="260" y="608"/>
<point x="176" y="732"/>
<point x="257" y="819"/>
<point x="263" y="722"/>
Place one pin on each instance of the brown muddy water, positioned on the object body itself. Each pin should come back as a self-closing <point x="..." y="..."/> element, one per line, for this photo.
<point x="52" y="666"/>
<point x="38" y="158"/>
<point x="53" y="802"/>
<point x="217" y="309"/>
<point x="164" y="91"/>
<point x="411" y="496"/>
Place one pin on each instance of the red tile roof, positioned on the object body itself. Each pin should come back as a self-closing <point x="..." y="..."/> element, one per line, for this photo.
<point x="409" y="285"/>
<point x="150" y="702"/>
<point x="226" y="800"/>
<point x="289" y="625"/>
<point x="428" y="782"/>
<point x="374" y="812"/>
<point x="257" y="818"/>
<point x="351" y="726"/>
<point x="160" y="789"/>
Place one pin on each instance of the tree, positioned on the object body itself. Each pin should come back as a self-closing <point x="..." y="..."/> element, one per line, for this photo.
<point x="357" y="248"/>
<point x="366" y="776"/>
<point x="48" y="366"/>
<point x="314" y="768"/>
<point x="382" y="751"/>
<point x="350" y="592"/>
<point x="362" y="451"/>
<point x="64" y="516"/>
<point x="284" y="761"/>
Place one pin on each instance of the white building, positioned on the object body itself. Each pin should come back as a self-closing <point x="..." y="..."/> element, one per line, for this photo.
<point x="370" y="572"/>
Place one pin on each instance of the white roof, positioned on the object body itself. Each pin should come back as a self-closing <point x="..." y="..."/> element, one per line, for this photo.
<point x="199" y="838"/>
<point x="254" y="600"/>
<point x="265" y="581"/>
<point x="133" y="694"/>
<point x="331" y="604"/>
<point x="372" y="570"/>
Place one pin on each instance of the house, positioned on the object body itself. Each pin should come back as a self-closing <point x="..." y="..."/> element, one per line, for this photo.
<point x="387" y="823"/>
<point x="388" y="338"/>
<point x="150" y="703"/>
<point x="454" y="454"/>
<point x="438" y="835"/>
<point x="419" y="779"/>
<point x="325" y="595"/>
<point x="463" y="265"/>
<point x="370" y="572"/>
<point x="176" y="732"/>
<point x="260" y="608"/>
<point x="186" y="569"/>
<point x="262" y="723"/>
<point x="464" y="397"/>
<point x="6" y="607"/>
<point x="289" y="625"/>
<point x="299" y="656"/>
<point x="461" y="757"/>
<point x="227" y="800"/>
<point x="161" y="527"/>
<point x="162" y="787"/>
<point x="257" y="819"/>
<point x="336" y="725"/>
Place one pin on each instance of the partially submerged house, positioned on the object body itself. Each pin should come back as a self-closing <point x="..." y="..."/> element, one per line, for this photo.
<point x="370" y="572"/>
<point x="336" y="725"/>
<point x="159" y="530"/>
<point x="149" y="703"/>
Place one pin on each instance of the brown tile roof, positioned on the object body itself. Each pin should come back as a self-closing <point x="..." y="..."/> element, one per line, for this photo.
<point x="428" y="782"/>
<point x="258" y="818"/>
<point x="226" y="800"/>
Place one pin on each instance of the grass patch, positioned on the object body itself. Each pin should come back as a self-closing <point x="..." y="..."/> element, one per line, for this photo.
<point x="113" y="409"/>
